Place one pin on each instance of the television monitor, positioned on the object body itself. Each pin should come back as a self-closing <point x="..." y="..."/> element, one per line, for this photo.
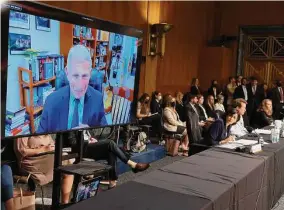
<point x="64" y="71"/>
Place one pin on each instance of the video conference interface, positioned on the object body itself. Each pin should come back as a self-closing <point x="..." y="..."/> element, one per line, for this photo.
<point x="63" y="76"/>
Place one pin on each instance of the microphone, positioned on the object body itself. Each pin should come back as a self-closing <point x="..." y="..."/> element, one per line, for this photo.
<point x="251" y="130"/>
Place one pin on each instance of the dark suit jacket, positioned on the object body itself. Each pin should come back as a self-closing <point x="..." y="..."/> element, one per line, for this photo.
<point x="211" y="92"/>
<point x="194" y="90"/>
<point x="239" y="92"/>
<point x="261" y="120"/>
<point x="56" y="108"/>
<point x="181" y="111"/>
<point x="201" y="113"/>
<point x="155" y="107"/>
<point x="276" y="98"/>
<point x="217" y="132"/>
<point x="193" y="129"/>
<point x="254" y="100"/>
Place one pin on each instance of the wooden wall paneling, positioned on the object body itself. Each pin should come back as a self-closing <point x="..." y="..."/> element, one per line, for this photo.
<point x="151" y="62"/>
<point x="183" y="43"/>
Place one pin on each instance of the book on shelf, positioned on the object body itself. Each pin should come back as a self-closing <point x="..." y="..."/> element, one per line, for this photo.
<point x="102" y="35"/>
<point x="16" y="122"/>
<point x="42" y="67"/>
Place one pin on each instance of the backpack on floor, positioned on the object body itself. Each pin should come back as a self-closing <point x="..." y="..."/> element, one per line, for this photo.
<point x="140" y="144"/>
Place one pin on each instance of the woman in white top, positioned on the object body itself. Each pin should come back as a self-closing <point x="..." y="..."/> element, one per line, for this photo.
<point x="172" y="123"/>
<point x="230" y="90"/>
<point x="219" y="104"/>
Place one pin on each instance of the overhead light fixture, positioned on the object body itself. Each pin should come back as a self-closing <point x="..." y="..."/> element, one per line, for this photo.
<point x="157" y="38"/>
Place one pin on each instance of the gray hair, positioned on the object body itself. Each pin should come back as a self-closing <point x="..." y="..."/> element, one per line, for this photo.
<point x="220" y="97"/>
<point x="79" y="53"/>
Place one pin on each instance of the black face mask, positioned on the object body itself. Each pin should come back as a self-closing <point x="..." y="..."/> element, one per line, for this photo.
<point x="146" y="102"/>
<point x="173" y="104"/>
<point x="279" y="84"/>
<point x="214" y="85"/>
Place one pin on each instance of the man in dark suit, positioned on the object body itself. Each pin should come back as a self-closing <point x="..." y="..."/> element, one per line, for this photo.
<point x="194" y="127"/>
<point x="277" y="97"/>
<point x="241" y="91"/>
<point x="76" y="105"/>
<point x="255" y="96"/>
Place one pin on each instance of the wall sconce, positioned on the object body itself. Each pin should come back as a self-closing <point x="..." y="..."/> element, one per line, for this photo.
<point x="157" y="38"/>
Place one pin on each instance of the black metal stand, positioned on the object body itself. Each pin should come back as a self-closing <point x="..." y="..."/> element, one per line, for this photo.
<point x="58" y="163"/>
<point x="79" y="168"/>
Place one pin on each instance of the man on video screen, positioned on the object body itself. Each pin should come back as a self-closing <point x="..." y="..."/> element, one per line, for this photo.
<point x="76" y="105"/>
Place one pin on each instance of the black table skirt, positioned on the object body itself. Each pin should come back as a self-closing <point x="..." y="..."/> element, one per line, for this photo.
<point x="211" y="180"/>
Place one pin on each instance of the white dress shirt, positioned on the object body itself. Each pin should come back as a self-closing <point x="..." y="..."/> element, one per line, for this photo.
<point x="239" y="129"/>
<point x="245" y="92"/>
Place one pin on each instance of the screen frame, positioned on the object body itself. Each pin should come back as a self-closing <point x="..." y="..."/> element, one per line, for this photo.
<point x="68" y="16"/>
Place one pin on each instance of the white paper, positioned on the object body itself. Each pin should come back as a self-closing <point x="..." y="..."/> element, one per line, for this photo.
<point x="247" y="142"/>
<point x="230" y="145"/>
<point x="262" y="131"/>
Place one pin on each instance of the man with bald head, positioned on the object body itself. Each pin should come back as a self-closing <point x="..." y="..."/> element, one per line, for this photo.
<point x="76" y="105"/>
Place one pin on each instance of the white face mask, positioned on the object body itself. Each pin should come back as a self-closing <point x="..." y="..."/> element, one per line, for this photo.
<point x="159" y="98"/>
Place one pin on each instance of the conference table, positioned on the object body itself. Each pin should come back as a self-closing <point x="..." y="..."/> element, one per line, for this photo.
<point x="215" y="179"/>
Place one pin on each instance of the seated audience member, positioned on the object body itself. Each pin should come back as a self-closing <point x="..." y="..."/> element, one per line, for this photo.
<point x="194" y="126"/>
<point x="219" y="107"/>
<point x="144" y="115"/>
<point x="194" y="89"/>
<point x="180" y="107"/>
<point x="7" y="202"/>
<point x="209" y="107"/>
<point x="201" y="109"/>
<point x="219" y="132"/>
<point x="155" y="106"/>
<point x="108" y="150"/>
<point x="277" y="97"/>
<point x="40" y="167"/>
<point x="239" y="129"/>
<point x="214" y="90"/>
<point x="264" y="115"/>
<point x="172" y="123"/>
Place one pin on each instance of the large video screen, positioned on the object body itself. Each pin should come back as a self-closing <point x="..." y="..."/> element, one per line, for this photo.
<point x="63" y="76"/>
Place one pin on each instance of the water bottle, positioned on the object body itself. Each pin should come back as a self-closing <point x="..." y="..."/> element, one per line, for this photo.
<point x="277" y="134"/>
<point x="282" y="129"/>
<point x="272" y="136"/>
<point x="261" y="140"/>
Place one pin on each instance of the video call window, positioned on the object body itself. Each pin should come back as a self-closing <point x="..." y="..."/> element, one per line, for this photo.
<point x="63" y="76"/>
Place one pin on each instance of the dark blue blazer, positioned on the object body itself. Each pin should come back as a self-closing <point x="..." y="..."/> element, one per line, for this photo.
<point x="56" y="108"/>
<point x="217" y="132"/>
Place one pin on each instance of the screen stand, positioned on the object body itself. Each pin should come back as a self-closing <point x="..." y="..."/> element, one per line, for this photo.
<point x="60" y="138"/>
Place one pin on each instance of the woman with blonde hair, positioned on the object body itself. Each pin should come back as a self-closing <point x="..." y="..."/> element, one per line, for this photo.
<point x="172" y="123"/>
<point x="264" y="114"/>
<point x="180" y="106"/>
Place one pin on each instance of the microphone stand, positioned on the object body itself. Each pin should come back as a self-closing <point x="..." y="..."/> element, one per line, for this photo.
<point x="254" y="131"/>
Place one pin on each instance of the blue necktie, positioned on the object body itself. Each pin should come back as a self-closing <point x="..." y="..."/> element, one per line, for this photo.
<point x="75" y="120"/>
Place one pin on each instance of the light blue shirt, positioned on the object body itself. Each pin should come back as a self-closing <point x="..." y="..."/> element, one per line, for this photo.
<point x="72" y="107"/>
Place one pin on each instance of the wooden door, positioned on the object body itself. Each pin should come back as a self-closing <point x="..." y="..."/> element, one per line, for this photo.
<point x="264" y="58"/>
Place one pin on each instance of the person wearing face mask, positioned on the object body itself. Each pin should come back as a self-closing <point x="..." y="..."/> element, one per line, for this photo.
<point x="214" y="90"/>
<point x="155" y="106"/>
<point x="277" y="97"/>
<point x="172" y="123"/>
<point x="145" y="116"/>
<point x="264" y="115"/>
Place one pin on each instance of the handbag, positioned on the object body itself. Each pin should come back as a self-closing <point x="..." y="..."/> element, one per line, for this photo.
<point x="23" y="199"/>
